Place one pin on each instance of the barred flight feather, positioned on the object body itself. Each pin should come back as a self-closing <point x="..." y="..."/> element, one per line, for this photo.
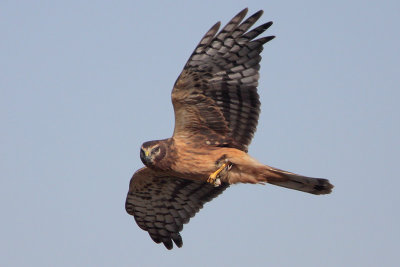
<point x="162" y="204"/>
<point x="224" y="69"/>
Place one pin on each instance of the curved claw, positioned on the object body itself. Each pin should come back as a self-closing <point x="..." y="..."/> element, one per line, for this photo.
<point x="214" y="178"/>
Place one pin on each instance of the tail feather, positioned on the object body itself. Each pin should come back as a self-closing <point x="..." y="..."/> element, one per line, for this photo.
<point x="316" y="186"/>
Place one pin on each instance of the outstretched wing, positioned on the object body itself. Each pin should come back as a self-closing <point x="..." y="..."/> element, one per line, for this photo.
<point x="215" y="97"/>
<point x="161" y="204"/>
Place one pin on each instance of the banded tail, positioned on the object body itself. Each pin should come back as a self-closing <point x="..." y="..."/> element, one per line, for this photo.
<point x="316" y="186"/>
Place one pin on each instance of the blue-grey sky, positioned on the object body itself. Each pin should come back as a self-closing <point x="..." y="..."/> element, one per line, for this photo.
<point x="84" y="83"/>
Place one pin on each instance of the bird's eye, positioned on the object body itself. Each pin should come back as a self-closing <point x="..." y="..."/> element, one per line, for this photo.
<point x="155" y="150"/>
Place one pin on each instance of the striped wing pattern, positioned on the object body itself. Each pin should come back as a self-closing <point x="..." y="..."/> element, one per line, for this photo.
<point x="162" y="204"/>
<point x="219" y="84"/>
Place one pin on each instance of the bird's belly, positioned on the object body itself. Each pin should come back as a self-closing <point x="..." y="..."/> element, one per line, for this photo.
<point x="195" y="166"/>
<point x="199" y="165"/>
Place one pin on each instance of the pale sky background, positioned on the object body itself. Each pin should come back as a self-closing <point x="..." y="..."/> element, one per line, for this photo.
<point x="84" y="83"/>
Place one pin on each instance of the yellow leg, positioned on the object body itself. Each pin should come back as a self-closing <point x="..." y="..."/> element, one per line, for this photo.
<point x="214" y="177"/>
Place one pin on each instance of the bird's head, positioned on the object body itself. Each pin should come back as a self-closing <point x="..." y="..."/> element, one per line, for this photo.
<point x="152" y="152"/>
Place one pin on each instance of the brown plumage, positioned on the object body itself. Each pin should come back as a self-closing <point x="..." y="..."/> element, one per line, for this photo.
<point x="216" y="107"/>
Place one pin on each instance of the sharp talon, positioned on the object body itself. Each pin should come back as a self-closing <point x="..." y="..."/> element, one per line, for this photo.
<point x="214" y="177"/>
<point x="229" y="167"/>
<point x="215" y="182"/>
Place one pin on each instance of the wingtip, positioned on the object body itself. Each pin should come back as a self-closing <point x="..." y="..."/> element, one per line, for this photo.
<point x="243" y="11"/>
<point x="168" y="245"/>
<point x="215" y="27"/>
<point x="177" y="238"/>
<point x="266" y="25"/>
<point x="259" y="13"/>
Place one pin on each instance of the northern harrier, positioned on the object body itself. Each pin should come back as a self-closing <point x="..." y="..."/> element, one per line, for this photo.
<point x="216" y="108"/>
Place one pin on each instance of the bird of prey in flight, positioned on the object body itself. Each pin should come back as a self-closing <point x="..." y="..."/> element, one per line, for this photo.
<point x="216" y="107"/>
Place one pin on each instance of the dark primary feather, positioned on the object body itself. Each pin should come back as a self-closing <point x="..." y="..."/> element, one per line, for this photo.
<point x="219" y="84"/>
<point x="162" y="204"/>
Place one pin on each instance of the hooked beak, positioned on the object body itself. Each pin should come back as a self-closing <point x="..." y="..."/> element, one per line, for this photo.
<point x="144" y="156"/>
